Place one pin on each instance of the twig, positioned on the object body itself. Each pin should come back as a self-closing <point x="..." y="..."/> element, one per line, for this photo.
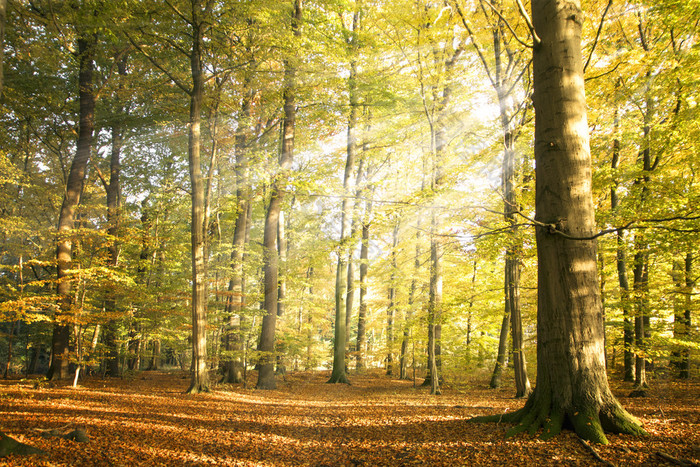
<point x="595" y="453"/>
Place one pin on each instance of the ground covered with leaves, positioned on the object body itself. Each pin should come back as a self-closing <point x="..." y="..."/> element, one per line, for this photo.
<point x="147" y="420"/>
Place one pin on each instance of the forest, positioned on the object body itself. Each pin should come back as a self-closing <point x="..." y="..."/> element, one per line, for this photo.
<point x="455" y="195"/>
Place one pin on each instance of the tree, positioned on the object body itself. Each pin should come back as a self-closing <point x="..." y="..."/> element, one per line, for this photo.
<point x="571" y="378"/>
<point x="266" y="368"/>
<point x="507" y="69"/>
<point x="86" y="42"/>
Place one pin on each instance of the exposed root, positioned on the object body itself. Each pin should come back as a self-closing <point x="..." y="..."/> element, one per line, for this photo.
<point x="339" y="379"/>
<point x="589" y="424"/>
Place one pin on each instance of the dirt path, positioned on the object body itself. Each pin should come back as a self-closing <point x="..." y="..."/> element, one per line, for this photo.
<point x="376" y="421"/>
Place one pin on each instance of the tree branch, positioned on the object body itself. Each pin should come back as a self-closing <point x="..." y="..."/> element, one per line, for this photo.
<point x="597" y="35"/>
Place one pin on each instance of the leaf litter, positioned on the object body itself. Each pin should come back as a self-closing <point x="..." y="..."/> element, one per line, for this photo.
<point x="377" y="421"/>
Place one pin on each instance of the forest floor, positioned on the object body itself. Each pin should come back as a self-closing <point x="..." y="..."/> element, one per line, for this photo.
<point x="147" y="420"/>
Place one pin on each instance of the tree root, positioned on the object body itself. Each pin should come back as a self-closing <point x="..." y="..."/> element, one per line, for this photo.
<point x="590" y="424"/>
<point x="339" y="379"/>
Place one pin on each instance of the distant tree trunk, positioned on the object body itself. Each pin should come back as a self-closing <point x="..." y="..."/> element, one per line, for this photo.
<point x="266" y="367"/>
<point x="113" y="189"/>
<point x="502" y="351"/>
<point x="641" y="256"/>
<point x="235" y="302"/>
<point x="66" y="220"/>
<point x="572" y="383"/>
<point x="403" y="372"/>
<point x="391" y="310"/>
<point x="621" y="260"/>
<point x="309" y="319"/>
<point x="200" y="370"/>
<point x="282" y="252"/>
<point x="684" y="330"/>
<point x="364" y="268"/>
<point x="434" y="307"/>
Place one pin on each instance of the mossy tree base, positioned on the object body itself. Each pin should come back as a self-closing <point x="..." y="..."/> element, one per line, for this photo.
<point x="339" y="378"/>
<point x="589" y="422"/>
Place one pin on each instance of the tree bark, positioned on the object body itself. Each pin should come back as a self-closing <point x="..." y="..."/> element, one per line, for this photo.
<point x="572" y="383"/>
<point x="60" y="345"/>
<point x="266" y="346"/>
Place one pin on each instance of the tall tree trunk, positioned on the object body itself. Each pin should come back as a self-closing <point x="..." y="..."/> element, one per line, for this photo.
<point x="66" y="220"/>
<point x="200" y="371"/>
<point x="234" y="304"/>
<point x="266" y="367"/>
<point x="113" y="189"/>
<point x="339" y="375"/>
<point x="571" y="378"/>
<point x="641" y="256"/>
<point x="621" y="260"/>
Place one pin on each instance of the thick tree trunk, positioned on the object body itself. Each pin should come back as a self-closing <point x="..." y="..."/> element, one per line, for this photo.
<point x="266" y="346"/>
<point x="571" y="379"/>
<point x="200" y="371"/>
<point x="66" y="221"/>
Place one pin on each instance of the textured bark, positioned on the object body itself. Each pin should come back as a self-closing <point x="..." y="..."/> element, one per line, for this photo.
<point x="572" y="383"/>
<point x="66" y="221"/>
<point x="266" y="346"/>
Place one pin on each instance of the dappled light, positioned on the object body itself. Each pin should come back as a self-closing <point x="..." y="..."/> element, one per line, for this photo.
<point x="377" y="421"/>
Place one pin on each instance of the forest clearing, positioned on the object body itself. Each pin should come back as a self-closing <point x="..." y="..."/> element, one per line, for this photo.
<point x="271" y="195"/>
<point x="148" y="420"/>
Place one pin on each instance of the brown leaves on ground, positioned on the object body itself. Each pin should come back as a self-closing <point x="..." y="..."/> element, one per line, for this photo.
<point x="376" y="421"/>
